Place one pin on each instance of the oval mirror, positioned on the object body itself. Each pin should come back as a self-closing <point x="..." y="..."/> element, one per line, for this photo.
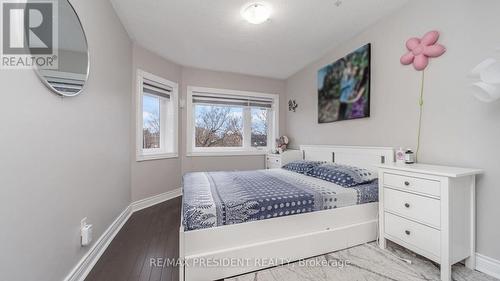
<point x="70" y="73"/>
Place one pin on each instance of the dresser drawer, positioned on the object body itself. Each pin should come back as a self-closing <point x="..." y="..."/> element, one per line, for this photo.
<point x="423" y="209"/>
<point x="424" y="186"/>
<point x="418" y="235"/>
<point x="273" y="166"/>
<point x="273" y="162"/>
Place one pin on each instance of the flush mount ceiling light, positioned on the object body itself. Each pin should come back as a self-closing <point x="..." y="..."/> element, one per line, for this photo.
<point x="256" y="13"/>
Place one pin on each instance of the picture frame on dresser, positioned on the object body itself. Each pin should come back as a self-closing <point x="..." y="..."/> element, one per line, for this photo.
<point x="430" y="210"/>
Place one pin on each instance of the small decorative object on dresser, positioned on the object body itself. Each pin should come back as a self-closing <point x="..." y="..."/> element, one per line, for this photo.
<point x="282" y="144"/>
<point x="400" y="156"/>
<point x="431" y="211"/>
<point x="409" y="156"/>
<point x="275" y="161"/>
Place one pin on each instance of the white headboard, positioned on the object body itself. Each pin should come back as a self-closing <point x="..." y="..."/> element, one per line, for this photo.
<point x="359" y="156"/>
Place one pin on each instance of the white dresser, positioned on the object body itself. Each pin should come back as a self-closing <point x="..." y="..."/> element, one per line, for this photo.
<point x="275" y="161"/>
<point x="430" y="210"/>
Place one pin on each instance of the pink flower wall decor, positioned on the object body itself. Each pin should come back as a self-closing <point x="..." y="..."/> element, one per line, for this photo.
<point x="420" y="50"/>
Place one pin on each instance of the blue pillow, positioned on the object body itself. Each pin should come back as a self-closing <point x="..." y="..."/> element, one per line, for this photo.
<point x="343" y="175"/>
<point x="302" y="166"/>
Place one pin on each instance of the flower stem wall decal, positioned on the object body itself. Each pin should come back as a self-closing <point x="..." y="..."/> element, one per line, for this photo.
<point x="419" y="52"/>
<point x="421" y="109"/>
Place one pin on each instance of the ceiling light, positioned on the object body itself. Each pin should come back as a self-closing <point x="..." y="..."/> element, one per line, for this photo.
<point x="256" y="13"/>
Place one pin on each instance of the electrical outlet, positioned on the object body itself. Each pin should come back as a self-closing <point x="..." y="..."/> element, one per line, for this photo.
<point x="83" y="222"/>
<point x="85" y="233"/>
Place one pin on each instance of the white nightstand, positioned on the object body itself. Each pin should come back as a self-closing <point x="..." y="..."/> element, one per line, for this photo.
<point x="276" y="161"/>
<point x="431" y="211"/>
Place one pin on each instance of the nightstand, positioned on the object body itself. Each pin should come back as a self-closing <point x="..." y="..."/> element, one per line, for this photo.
<point x="276" y="161"/>
<point x="431" y="211"/>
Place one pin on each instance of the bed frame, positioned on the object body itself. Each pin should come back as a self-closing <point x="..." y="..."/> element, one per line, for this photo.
<point x="261" y="244"/>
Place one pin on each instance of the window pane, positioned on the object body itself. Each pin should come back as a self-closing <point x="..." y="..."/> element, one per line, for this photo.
<point x="151" y="122"/>
<point x="259" y="127"/>
<point x="218" y="126"/>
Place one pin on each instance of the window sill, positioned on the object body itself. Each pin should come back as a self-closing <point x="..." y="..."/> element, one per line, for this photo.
<point x="159" y="156"/>
<point x="226" y="153"/>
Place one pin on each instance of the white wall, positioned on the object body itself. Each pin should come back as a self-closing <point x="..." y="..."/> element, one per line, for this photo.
<point x="64" y="159"/>
<point x="457" y="129"/>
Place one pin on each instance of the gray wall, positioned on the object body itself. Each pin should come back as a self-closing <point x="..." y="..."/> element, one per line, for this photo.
<point x="64" y="159"/>
<point x="154" y="177"/>
<point x="457" y="129"/>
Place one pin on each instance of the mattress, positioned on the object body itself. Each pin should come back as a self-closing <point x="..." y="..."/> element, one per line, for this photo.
<point x="212" y="199"/>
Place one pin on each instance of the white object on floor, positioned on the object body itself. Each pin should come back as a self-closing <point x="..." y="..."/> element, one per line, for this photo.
<point x="276" y="161"/>
<point x="289" y="238"/>
<point x="429" y="210"/>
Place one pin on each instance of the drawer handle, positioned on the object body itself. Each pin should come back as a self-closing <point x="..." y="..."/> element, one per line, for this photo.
<point x="407" y="183"/>
<point x="407" y="205"/>
<point x="407" y="232"/>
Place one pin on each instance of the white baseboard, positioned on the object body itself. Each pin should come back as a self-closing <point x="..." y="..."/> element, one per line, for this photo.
<point x="83" y="268"/>
<point x="484" y="264"/>
<point x="488" y="265"/>
<point x="85" y="265"/>
<point x="151" y="201"/>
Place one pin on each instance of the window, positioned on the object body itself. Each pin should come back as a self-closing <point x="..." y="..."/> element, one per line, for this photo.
<point x="218" y="126"/>
<point x="156" y="117"/>
<point x="225" y="122"/>
<point x="260" y="127"/>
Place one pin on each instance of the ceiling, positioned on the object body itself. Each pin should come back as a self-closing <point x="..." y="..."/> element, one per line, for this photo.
<point x="211" y="34"/>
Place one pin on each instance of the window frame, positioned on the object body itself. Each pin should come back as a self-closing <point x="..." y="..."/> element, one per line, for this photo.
<point x="246" y="149"/>
<point x="161" y="153"/>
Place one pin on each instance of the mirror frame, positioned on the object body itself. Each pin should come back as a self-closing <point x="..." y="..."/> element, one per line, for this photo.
<point x="47" y="84"/>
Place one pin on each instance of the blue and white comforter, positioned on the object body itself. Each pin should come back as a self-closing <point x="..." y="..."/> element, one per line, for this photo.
<point x="213" y="199"/>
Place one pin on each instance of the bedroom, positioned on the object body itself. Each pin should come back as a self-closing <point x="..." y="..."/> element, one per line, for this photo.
<point x="93" y="150"/>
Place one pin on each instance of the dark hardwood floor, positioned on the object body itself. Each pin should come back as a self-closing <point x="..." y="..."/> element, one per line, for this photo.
<point x="150" y="233"/>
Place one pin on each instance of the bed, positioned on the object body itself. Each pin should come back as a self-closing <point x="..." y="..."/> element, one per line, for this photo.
<point x="238" y="222"/>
